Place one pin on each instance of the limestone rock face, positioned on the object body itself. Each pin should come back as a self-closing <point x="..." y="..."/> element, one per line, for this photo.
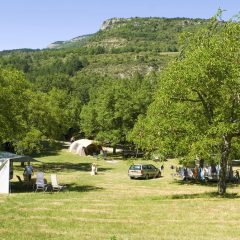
<point x="60" y="44"/>
<point x="113" y="22"/>
<point x="52" y="45"/>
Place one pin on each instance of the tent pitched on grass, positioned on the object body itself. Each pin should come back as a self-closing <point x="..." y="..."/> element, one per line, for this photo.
<point x="84" y="147"/>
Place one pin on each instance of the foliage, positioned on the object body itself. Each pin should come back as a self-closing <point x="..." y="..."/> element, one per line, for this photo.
<point x="13" y="100"/>
<point x="63" y="82"/>
<point x="197" y="101"/>
<point x="143" y="34"/>
<point x="49" y="113"/>
<point x="31" y="143"/>
<point x="113" y="108"/>
<point x="26" y="115"/>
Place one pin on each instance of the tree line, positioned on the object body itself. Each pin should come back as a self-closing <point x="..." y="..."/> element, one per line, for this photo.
<point x="190" y="109"/>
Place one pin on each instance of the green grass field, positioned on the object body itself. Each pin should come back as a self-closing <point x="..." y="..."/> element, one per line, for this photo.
<point x="111" y="206"/>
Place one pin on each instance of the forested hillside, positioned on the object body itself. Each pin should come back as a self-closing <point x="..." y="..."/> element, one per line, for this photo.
<point x="96" y="85"/>
<point x="136" y="35"/>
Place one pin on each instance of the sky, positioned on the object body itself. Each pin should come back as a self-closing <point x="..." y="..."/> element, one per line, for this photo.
<point x="37" y="23"/>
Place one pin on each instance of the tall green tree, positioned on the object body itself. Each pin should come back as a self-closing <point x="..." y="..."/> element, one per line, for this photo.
<point x="49" y="113"/>
<point x="196" y="110"/>
<point x="13" y="100"/>
<point x="27" y="117"/>
<point x="114" y="107"/>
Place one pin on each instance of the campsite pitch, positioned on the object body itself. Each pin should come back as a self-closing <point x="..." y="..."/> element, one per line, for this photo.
<point x="111" y="206"/>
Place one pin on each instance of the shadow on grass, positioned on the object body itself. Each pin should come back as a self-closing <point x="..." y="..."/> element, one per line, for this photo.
<point x="56" y="167"/>
<point x="66" y="167"/>
<point x="204" y="183"/>
<point x="17" y="187"/>
<point x="51" y="149"/>
<point x="144" y="179"/>
<point x="82" y="188"/>
<point x="206" y="195"/>
<point x="194" y="182"/>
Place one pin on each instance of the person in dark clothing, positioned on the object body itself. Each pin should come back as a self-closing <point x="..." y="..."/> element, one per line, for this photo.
<point x="185" y="173"/>
<point x="29" y="171"/>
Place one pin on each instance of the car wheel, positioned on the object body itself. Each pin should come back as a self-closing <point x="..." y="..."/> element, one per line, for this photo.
<point x="158" y="175"/>
<point x="131" y="177"/>
<point x="147" y="177"/>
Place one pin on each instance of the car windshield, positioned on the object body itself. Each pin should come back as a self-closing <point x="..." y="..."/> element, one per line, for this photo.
<point x="135" y="167"/>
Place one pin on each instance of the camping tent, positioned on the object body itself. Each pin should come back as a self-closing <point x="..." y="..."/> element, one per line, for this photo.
<point x="84" y="147"/>
<point x="6" y="168"/>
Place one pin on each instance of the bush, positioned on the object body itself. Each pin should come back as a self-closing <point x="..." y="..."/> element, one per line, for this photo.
<point x="31" y="143"/>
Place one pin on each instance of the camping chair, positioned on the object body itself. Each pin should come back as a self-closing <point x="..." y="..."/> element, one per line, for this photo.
<point x="40" y="184"/>
<point x="23" y="183"/>
<point x="19" y="179"/>
<point x="55" y="186"/>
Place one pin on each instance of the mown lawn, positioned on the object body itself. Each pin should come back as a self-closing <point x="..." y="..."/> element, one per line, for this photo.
<point x="111" y="206"/>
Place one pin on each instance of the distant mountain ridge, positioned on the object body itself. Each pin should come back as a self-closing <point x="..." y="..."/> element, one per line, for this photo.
<point x="80" y="39"/>
<point x="121" y="48"/>
<point x="120" y="32"/>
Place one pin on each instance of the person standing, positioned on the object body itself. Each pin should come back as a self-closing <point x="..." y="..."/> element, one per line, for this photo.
<point x="94" y="169"/>
<point x="29" y="171"/>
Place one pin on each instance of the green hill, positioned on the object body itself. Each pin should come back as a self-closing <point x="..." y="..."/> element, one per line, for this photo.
<point x="120" y="48"/>
<point x="75" y="42"/>
<point x="136" y="34"/>
<point x="143" y="34"/>
<point x="99" y="84"/>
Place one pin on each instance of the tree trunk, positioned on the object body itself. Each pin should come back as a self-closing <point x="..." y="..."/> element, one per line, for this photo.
<point x="225" y="150"/>
<point x="137" y="153"/>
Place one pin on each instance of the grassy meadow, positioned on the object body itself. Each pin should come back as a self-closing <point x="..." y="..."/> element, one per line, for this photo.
<point x="111" y="206"/>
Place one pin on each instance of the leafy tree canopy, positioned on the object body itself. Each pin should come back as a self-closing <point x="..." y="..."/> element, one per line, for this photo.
<point x="13" y="102"/>
<point x="114" y="107"/>
<point x="196" y="110"/>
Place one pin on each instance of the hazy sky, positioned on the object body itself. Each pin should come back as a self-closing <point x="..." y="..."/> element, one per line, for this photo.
<point x="37" y="23"/>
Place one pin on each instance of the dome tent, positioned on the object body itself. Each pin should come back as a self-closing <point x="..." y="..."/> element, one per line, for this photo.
<point x="85" y="147"/>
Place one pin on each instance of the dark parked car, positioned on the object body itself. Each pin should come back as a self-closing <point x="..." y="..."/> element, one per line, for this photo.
<point x="143" y="171"/>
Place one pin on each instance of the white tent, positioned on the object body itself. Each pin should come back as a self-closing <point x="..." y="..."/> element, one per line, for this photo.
<point x="6" y="171"/>
<point x="82" y="147"/>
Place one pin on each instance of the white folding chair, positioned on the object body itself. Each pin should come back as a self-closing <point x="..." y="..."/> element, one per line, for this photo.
<point x="55" y="186"/>
<point x="40" y="184"/>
